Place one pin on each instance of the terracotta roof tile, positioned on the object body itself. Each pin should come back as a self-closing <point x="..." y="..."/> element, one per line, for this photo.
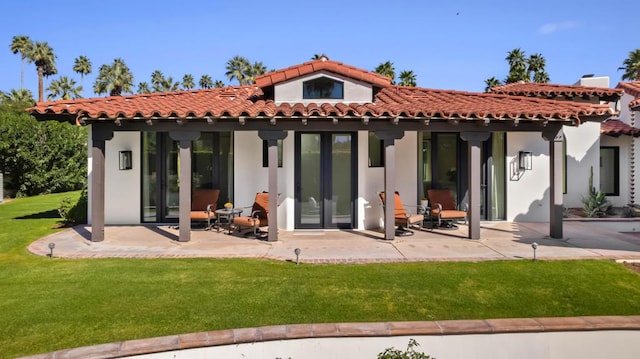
<point x="390" y="101"/>
<point x="633" y="89"/>
<point x="408" y="102"/>
<point x="275" y="77"/>
<point x="615" y="128"/>
<point x="551" y="90"/>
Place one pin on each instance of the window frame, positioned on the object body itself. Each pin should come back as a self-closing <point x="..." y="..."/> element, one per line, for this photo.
<point x="265" y="153"/>
<point x="616" y="169"/>
<point x="308" y="96"/>
<point x="372" y="136"/>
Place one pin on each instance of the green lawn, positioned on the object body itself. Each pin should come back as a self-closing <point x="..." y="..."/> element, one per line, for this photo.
<point x="53" y="304"/>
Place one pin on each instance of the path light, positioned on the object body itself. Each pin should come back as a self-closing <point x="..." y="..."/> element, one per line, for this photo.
<point x="297" y="252"/>
<point x="51" y="247"/>
<point x="534" y="245"/>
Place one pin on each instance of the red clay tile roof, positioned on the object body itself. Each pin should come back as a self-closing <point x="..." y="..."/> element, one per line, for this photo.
<point x="633" y="89"/>
<point x="275" y="77"/>
<point x="249" y="101"/>
<point x="551" y="90"/>
<point x="615" y="128"/>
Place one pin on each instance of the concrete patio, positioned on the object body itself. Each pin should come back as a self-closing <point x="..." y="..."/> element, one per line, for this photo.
<point x="499" y="241"/>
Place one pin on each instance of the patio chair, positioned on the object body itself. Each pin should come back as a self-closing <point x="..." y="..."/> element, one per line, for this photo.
<point x="259" y="217"/>
<point x="203" y="205"/>
<point x="403" y="218"/>
<point x="444" y="209"/>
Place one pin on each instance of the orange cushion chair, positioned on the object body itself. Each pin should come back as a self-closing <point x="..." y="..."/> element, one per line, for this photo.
<point x="403" y="218"/>
<point x="443" y="208"/>
<point x="259" y="216"/>
<point x="204" y="204"/>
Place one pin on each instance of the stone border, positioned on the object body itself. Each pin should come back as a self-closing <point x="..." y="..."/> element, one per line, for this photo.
<point x="337" y="330"/>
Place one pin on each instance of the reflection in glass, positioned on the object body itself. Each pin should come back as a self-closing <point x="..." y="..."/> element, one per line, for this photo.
<point x="310" y="190"/>
<point x="341" y="179"/>
<point x="323" y="88"/>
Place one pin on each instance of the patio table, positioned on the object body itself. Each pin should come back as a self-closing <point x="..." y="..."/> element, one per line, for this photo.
<point x="227" y="214"/>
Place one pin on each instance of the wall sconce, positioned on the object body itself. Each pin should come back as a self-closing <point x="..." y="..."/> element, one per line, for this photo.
<point x="524" y="160"/>
<point x="126" y="161"/>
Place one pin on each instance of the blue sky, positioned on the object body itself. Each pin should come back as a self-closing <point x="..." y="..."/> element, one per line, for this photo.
<point x="448" y="44"/>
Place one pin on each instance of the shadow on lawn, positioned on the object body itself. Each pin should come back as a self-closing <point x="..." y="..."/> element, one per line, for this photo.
<point x="40" y="215"/>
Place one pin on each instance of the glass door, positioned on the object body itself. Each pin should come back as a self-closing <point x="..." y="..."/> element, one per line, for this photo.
<point x="325" y="180"/>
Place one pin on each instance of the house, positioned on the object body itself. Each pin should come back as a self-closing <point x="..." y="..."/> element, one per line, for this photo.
<point x="323" y="138"/>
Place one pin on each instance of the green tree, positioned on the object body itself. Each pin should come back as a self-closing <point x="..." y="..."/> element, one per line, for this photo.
<point x="237" y="68"/>
<point x="82" y="66"/>
<point x="159" y="83"/>
<point x="218" y="84"/>
<point x="631" y="66"/>
<point x="387" y="69"/>
<point x="517" y="66"/>
<point x="254" y="71"/>
<point x="51" y="159"/>
<point x="536" y="68"/>
<point x="491" y="82"/>
<point x="205" y="82"/>
<point x="114" y="79"/>
<point x="407" y="78"/>
<point x="64" y="88"/>
<point x="143" y="87"/>
<point x="188" y="82"/>
<point x="21" y="44"/>
<point x="41" y="54"/>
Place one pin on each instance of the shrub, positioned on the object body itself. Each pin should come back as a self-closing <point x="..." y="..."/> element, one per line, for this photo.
<point x="74" y="213"/>
<point x="596" y="203"/>
<point x="410" y="353"/>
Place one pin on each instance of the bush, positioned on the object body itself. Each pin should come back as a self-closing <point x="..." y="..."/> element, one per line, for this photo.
<point x="74" y="213"/>
<point x="410" y="353"/>
<point x="596" y="203"/>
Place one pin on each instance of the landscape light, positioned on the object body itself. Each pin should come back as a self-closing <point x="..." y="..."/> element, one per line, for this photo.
<point x="51" y="247"/>
<point x="297" y="252"/>
<point x="534" y="245"/>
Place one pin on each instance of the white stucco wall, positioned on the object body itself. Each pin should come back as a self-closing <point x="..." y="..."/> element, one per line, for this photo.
<point x="583" y="152"/>
<point x="620" y="344"/>
<point x="354" y="91"/>
<point x="122" y="188"/>
<point x="528" y="192"/>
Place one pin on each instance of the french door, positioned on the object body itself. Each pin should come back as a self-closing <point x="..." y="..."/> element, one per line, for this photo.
<point x="325" y="177"/>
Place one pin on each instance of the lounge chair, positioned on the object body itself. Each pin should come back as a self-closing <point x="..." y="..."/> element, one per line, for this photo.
<point x="203" y="205"/>
<point x="259" y="217"/>
<point x="444" y="209"/>
<point x="403" y="218"/>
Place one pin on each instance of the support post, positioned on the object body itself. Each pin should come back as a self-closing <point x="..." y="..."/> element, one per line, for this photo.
<point x="98" y="138"/>
<point x="272" y="138"/>
<point x="555" y="136"/>
<point x="184" y="178"/>
<point x="389" y="138"/>
<point x="474" y="148"/>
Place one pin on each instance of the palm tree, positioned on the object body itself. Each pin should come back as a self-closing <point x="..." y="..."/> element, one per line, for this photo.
<point x="187" y="82"/>
<point x="65" y="88"/>
<point x="143" y="87"/>
<point x="157" y="79"/>
<point x="517" y="66"/>
<point x="21" y="44"/>
<point x="387" y="69"/>
<point x="237" y="68"/>
<point x="82" y="66"/>
<point x="114" y="79"/>
<point x="218" y="84"/>
<point x="631" y="66"/>
<point x="491" y="82"/>
<point x="42" y="55"/>
<point x="254" y="71"/>
<point x="21" y="97"/>
<point x="537" y="63"/>
<point x="407" y="78"/>
<point x="205" y="82"/>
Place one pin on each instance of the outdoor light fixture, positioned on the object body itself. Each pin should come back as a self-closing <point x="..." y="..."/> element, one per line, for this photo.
<point x="297" y="252"/>
<point x="126" y="162"/>
<point x="51" y="247"/>
<point x="534" y="245"/>
<point x="524" y="160"/>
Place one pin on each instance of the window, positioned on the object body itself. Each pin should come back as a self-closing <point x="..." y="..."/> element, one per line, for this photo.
<point x="265" y="154"/>
<point x="376" y="151"/>
<point x="323" y="88"/>
<point x="610" y="171"/>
